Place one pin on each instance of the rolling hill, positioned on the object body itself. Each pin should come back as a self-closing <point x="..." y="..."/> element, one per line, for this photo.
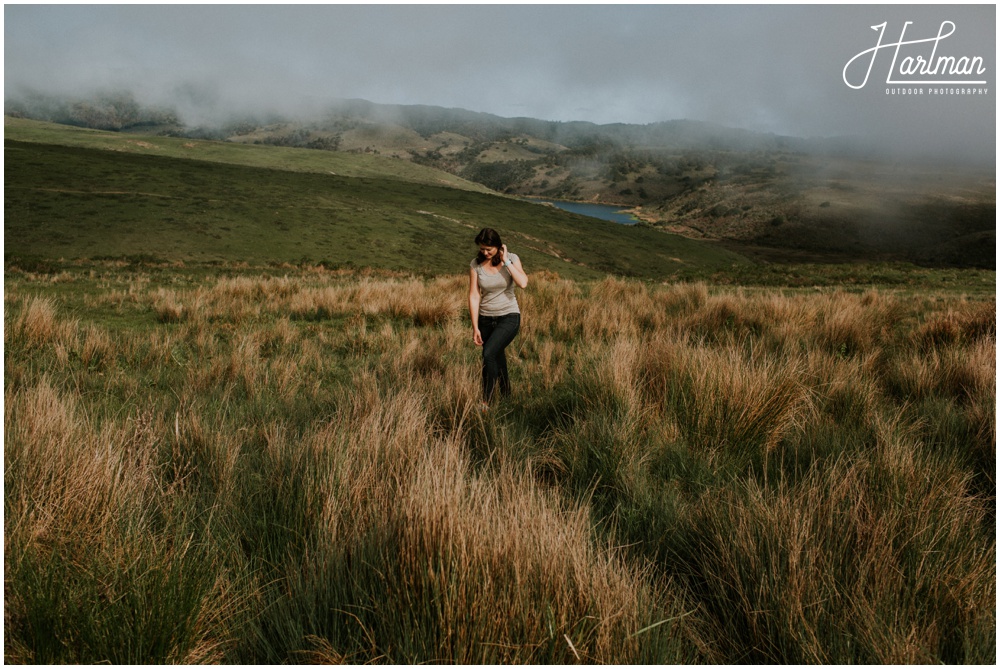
<point x="75" y="193"/>
<point x="771" y="197"/>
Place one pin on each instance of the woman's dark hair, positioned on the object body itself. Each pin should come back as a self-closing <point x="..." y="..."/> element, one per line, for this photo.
<point x="489" y="237"/>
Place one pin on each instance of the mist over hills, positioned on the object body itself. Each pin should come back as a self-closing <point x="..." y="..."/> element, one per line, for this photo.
<point x="121" y="111"/>
<point x="763" y="195"/>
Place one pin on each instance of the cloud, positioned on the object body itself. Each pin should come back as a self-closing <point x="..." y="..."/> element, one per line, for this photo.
<point x="768" y="68"/>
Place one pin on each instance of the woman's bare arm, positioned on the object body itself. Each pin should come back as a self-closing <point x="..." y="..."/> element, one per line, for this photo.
<point x="474" y="299"/>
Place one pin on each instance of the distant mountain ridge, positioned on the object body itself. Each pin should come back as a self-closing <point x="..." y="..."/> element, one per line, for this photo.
<point x="120" y="111"/>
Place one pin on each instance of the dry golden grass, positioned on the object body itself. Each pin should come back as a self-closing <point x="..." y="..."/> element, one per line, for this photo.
<point x="299" y="467"/>
<point x="91" y="499"/>
<point x="37" y="324"/>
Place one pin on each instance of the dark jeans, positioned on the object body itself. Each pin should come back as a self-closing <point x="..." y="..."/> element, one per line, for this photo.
<point x="497" y="332"/>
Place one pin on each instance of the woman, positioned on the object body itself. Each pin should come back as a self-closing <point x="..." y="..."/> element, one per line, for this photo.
<point x="496" y="317"/>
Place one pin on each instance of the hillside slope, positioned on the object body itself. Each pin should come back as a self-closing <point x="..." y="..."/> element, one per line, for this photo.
<point x="273" y="157"/>
<point x="768" y="196"/>
<point x="72" y="202"/>
<point x="779" y="198"/>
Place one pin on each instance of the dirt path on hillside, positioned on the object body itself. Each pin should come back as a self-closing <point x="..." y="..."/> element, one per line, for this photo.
<point x="547" y="250"/>
<point x="103" y="192"/>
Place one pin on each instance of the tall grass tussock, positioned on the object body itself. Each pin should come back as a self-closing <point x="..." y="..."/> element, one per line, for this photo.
<point x="253" y="467"/>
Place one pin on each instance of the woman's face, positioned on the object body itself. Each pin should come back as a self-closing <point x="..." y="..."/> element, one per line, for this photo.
<point x="488" y="251"/>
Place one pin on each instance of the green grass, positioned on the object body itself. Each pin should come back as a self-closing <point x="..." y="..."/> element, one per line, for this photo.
<point x="73" y="194"/>
<point x="72" y="203"/>
<point x="231" y="153"/>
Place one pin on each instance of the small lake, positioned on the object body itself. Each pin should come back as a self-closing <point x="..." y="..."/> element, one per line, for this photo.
<point x="605" y="212"/>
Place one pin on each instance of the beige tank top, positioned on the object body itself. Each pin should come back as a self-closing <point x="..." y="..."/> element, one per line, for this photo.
<point x="496" y="291"/>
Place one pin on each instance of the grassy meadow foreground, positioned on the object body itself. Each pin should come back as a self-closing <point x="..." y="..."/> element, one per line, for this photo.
<point x="288" y="465"/>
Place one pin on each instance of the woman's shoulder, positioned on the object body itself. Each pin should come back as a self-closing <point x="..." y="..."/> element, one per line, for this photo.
<point x="474" y="264"/>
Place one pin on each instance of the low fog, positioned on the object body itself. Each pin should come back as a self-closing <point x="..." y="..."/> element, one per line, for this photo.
<point x="777" y="69"/>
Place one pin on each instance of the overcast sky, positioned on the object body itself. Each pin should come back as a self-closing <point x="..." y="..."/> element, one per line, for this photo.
<point x="776" y="68"/>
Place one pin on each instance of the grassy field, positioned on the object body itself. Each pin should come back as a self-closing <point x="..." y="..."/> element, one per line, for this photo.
<point x="231" y="153"/>
<point x="247" y="466"/>
<point x="83" y="203"/>
<point x="241" y="426"/>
